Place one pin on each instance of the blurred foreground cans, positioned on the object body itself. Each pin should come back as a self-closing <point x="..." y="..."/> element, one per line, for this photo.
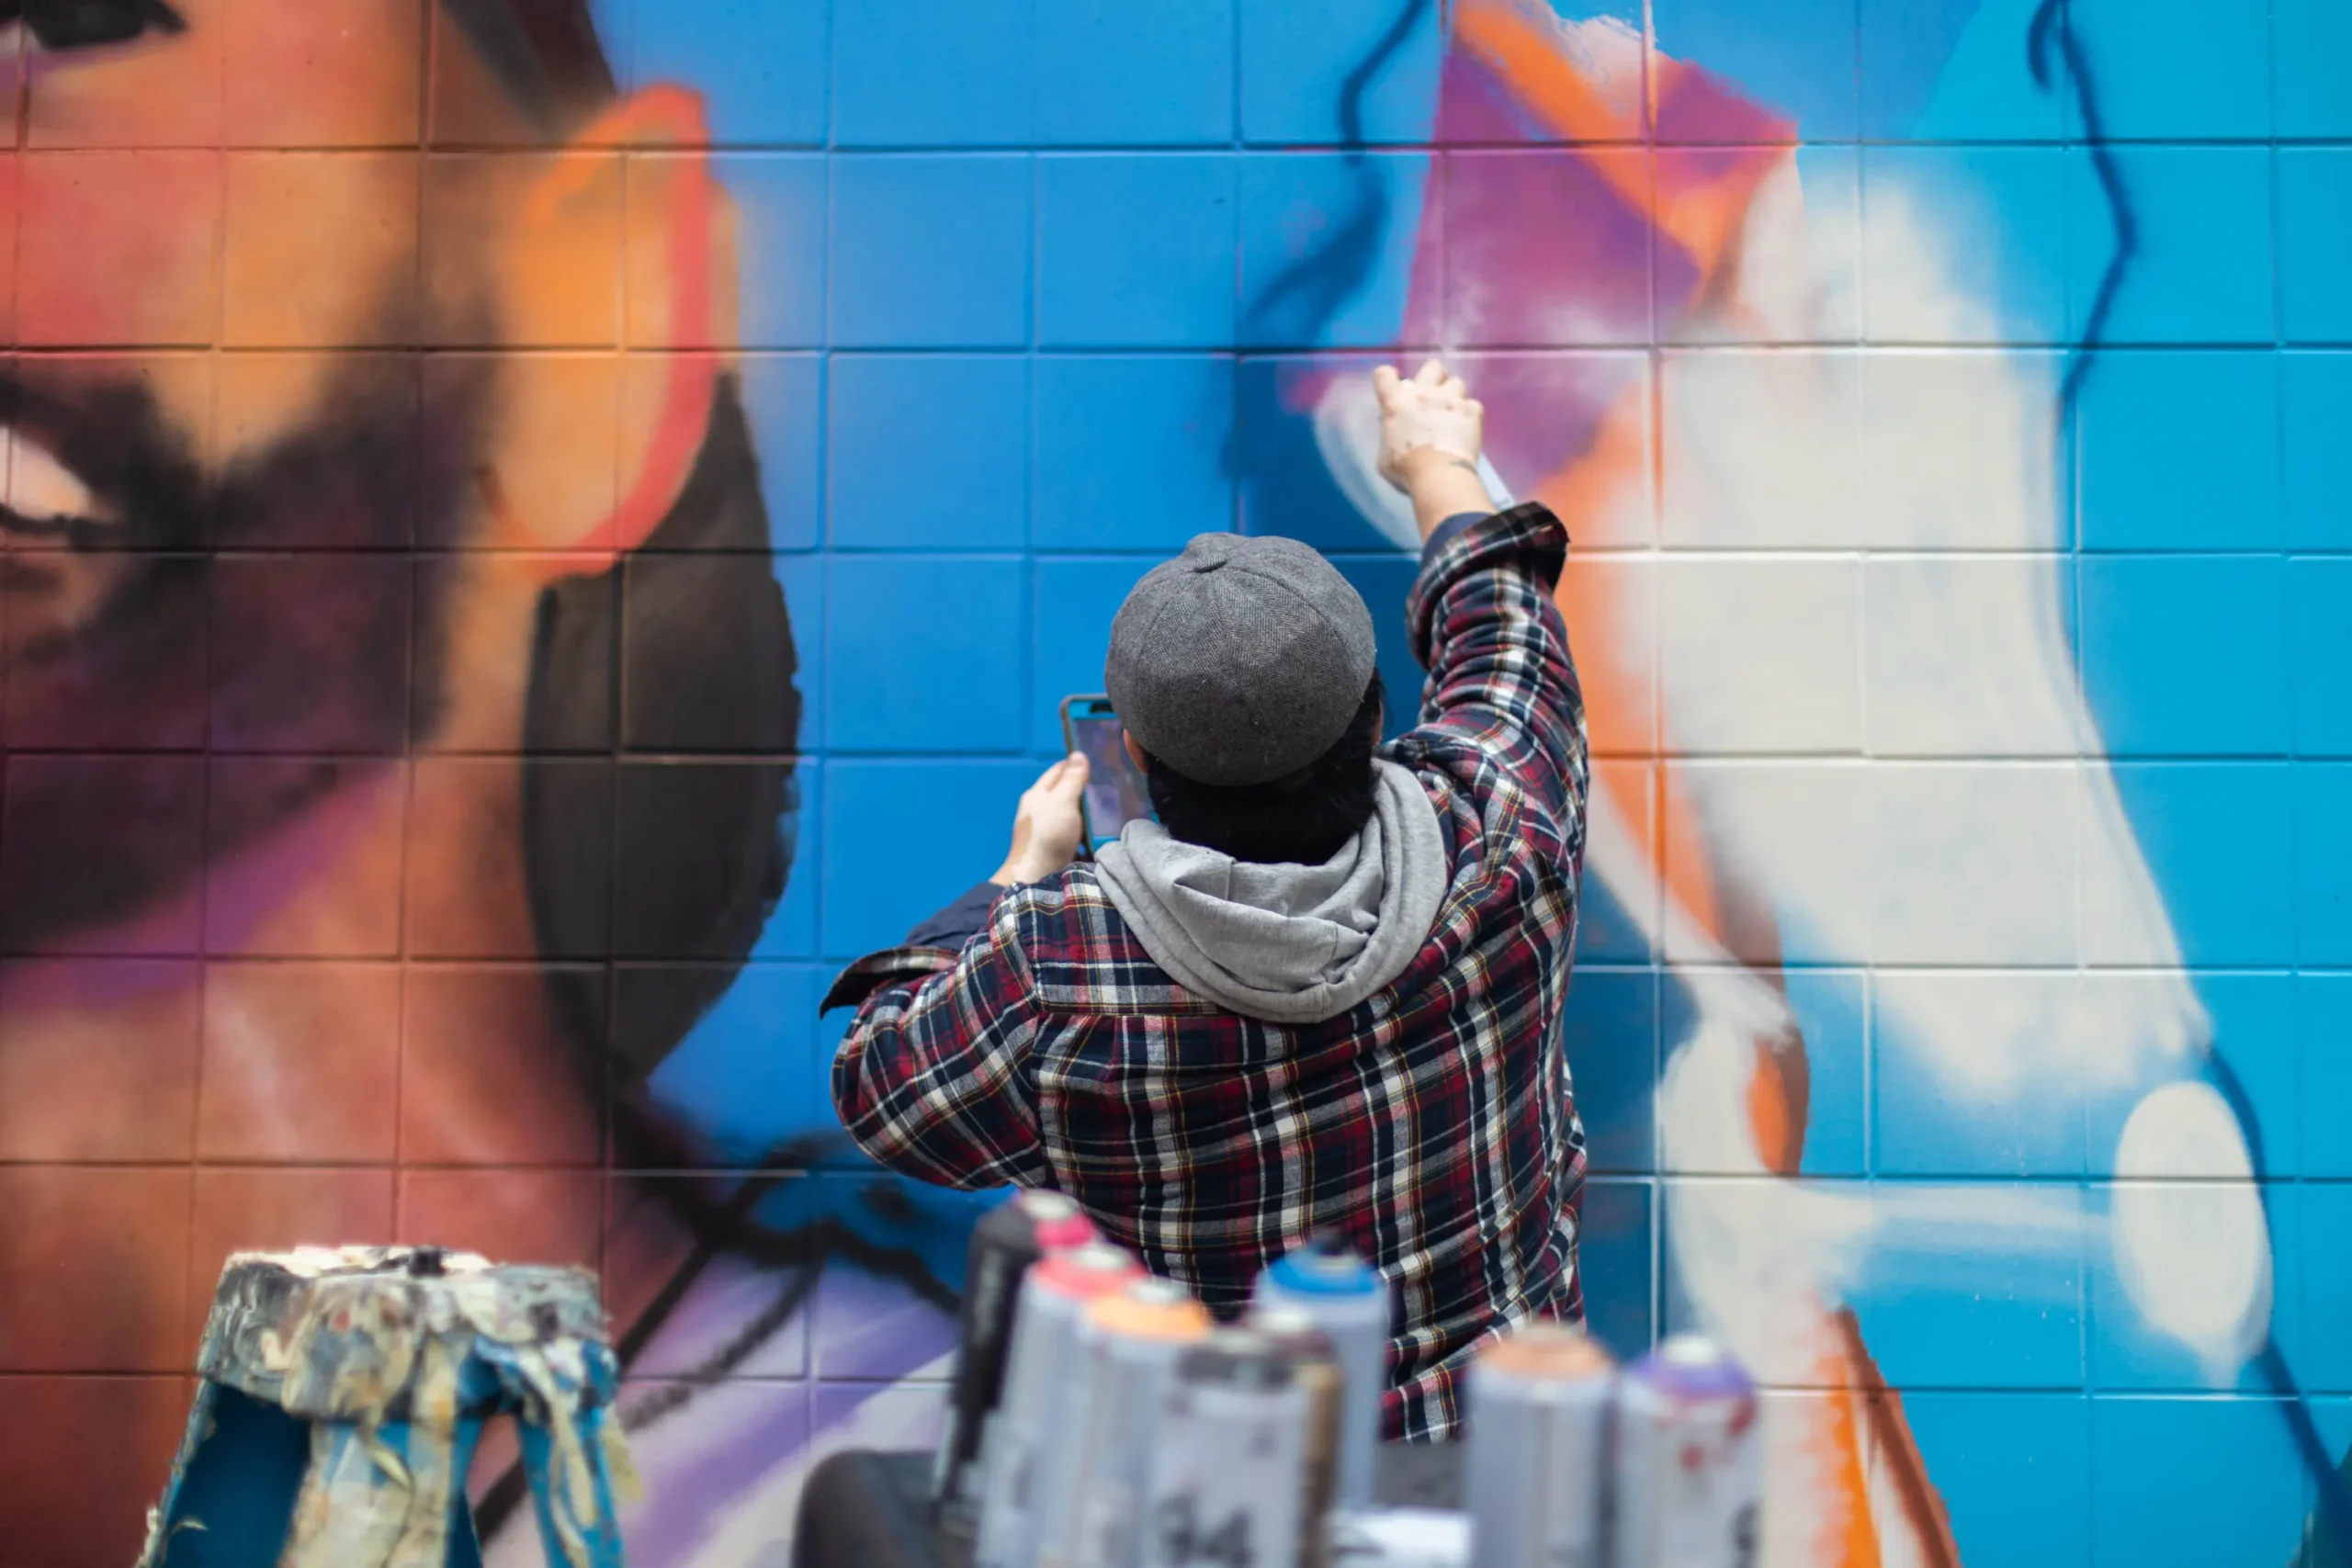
<point x="1008" y="1241"/>
<point x="1575" y="1465"/>
<point x="1348" y="1300"/>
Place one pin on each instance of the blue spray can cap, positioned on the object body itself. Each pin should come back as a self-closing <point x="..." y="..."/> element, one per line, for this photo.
<point x="1326" y="1265"/>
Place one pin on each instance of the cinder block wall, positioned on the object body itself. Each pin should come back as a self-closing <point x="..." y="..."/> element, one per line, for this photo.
<point x="539" y="530"/>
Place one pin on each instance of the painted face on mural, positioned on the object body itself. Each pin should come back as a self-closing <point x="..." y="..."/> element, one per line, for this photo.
<point x="125" y="621"/>
<point x="121" y="623"/>
<point x="203" y="550"/>
<point x="368" y="430"/>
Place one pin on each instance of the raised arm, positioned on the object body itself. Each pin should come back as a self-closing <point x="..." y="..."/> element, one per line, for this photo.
<point x="1481" y="614"/>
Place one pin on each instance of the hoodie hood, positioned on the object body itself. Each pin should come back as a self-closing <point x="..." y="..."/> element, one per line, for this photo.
<point x="1287" y="943"/>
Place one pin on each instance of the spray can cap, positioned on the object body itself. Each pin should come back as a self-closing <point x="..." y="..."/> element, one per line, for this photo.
<point x="1060" y="1224"/>
<point x="1094" y="1270"/>
<point x="1326" y="1265"/>
<point x="1693" y="1366"/>
<point x="1045" y="1206"/>
<point x="1551" y="1351"/>
<point x="1150" y="1309"/>
<point x="1691" y="1350"/>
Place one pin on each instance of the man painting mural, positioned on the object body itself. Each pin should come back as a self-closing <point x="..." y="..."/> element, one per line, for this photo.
<point x="287" y="606"/>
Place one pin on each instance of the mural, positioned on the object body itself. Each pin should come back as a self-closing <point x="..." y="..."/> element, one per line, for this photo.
<point x="531" y="530"/>
<point x="1822" y="613"/>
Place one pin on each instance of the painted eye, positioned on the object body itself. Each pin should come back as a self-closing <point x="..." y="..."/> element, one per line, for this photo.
<point x="57" y="26"/>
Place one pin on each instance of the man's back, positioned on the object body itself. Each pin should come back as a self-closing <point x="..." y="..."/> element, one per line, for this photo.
<point x="1432" y="1119"/>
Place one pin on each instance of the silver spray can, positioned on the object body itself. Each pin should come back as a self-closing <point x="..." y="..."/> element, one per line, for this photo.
<point x="1026" y="1442"/>
<point x="1133" y="1339"/>
<point x="1536" y="1481"/>
<point x="1315" y="1364"/>
<point x="1349" y="1303"/>
<point x="1228" y="1471"/>
<point x="1689" y="1470"/>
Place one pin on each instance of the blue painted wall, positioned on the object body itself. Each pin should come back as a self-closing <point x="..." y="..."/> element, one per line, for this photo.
<point x="1947" y="397"/>
<point x="1052" y="347"/>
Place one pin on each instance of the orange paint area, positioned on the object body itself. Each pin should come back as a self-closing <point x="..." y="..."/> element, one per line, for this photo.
<point x="1849" y="1439"/>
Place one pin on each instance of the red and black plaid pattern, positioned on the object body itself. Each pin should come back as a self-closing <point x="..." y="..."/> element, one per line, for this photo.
<point x="1435" y="1122"/>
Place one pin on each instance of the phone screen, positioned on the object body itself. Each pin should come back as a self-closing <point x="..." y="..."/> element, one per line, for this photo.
<point x="1116" y="794"/>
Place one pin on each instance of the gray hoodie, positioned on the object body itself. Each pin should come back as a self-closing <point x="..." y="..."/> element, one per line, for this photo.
<point x="1287" y="943"/>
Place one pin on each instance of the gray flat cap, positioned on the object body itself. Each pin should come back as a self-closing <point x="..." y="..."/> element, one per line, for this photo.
<point x="1241" y="661"/>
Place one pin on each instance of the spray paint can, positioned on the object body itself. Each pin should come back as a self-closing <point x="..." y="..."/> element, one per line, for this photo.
<point x="1537" y="1479"/>
<point x="1009" y="1239"/>
<point x="1315" y="1364"/>
<point x="1689" y="1470"/>
<point x="1227" y="1472"/>
<point x="1133" y="1339"/>
<point x="1349" y="1303"/>
<point x="1023" y="1442"/>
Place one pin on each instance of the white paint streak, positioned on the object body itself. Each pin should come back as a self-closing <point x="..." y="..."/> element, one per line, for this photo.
<point x="1868" y="687"/>
<point x="2190" y="1242"/>
<point x="1346" y="433"/>
<point x="1995" y="836"/>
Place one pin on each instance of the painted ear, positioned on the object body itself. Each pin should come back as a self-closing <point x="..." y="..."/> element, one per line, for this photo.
<point x="623" y="240"/>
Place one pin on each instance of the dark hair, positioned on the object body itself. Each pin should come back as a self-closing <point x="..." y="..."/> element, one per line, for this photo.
<point x="544" y="53"/>
<point x="1302" y="818"/>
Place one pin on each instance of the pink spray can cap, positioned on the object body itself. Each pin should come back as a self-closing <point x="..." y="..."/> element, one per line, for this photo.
<point x="1059" y="1224"/>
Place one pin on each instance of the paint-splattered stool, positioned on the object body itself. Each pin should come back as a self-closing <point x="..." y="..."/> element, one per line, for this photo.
<point x="345" y="1390"/>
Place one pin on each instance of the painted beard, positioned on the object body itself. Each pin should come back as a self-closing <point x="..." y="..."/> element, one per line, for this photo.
<point x="189" y="660"/>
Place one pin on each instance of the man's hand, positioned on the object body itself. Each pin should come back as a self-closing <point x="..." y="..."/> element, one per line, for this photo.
<point x="1431" y="430"/>
<point x="1047" y="828"/>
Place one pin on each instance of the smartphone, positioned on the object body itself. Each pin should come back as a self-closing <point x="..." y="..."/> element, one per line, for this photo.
<point x="1116" y="794"/>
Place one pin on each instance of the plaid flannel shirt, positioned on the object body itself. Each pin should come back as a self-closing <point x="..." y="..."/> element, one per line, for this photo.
<point x="1434" y="1121"/>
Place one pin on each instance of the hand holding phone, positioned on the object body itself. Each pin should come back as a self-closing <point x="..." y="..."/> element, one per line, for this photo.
<point x="1049" y="828"/>
<point x="1115" y="792"/>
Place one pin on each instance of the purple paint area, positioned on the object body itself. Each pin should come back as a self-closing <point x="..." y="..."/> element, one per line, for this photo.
<point x="239" y="894"/>
<point x="1424" y="320"/>
<point x="717" y="1449"/>
<point x="714" y="1315"/>
<point x="1542" y="409"/>
<point x="95" y="982"/>
<point x="911" y="1414"/>
<point x="1695" y="106"/>
<point x="1546" y="249"/>
<point x="729" y="1453"/>
<point x="868" y="1327"/>
<point x="1474" y="106"/>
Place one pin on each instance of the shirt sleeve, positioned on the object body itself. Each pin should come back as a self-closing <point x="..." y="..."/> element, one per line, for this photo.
<point x="964" y="919"/>
<point x="933" y="1079"/>
<point x="1501" y="676"/>
<point x="1446" y="532"/>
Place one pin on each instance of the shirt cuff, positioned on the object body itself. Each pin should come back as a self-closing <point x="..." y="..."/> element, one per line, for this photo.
<point x="960" y="921"/>
<point x="876" y="971"/>
<point x="1448" y="531"/>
